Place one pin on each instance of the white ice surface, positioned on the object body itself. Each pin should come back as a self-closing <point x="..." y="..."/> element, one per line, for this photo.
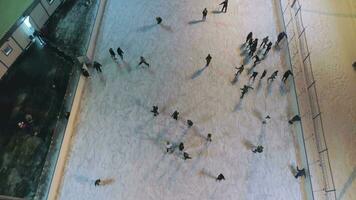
<point x="118" y="139"/>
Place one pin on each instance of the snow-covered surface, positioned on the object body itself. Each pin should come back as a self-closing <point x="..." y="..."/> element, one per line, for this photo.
<point x="332" y="55"/>
<point x="118" y="140"/>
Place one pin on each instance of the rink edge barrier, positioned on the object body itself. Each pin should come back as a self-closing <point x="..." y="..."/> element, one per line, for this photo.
<point x="65" y="147"/>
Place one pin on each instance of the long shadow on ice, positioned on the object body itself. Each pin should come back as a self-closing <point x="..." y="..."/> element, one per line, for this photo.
<point x="146" y="28"/>
<point x="216" y="12"/>
<point x="195" y="22"/>
<point x="198" y="73"/>
<point x="238" y="106"/>
<point x="167" y="28"/>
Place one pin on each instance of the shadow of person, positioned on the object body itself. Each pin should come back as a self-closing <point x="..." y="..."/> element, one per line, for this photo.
<point x="195" y="22"/>
<point x="198" y="73"/>
<point x="248" y="144"/>
<point x="146" y="28"/>
<point x="216" y="11"/>
<point x="204" y="172"/>
<point x="167" y="28"/>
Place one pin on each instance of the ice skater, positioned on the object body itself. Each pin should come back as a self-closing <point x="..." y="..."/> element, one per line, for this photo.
<point x="190" y="123"/>
<point x="266" y="118"/>
<point x="220" y="177"/>
<point x="159" y="20"/>
<point x="253" y="47"/>
<point x="97" y="182"/>
<point x="249" y="38"/>
<point x="239" y="70"/>
<point x="208" y="138"/>
<point x="245" y="90"/>
<point x="264" y="42"/>
<point x="208" y="59"/>
<point x="263" y="74"/>
<point x="300" y="173"/>
<point x="296" y="118"/>
<point x="143" y="61"/>
<point x="175" y="115"/>
<point x="258" y="149"/>
<point x="224" y="8"/>
<point x="286" y="75"/>
<point x="205" y="13"/>
<point x="169" y="147"/>
<point x="120" y="52"/>
<point x="257" y="60"/>
<point x="155" y="110"/>
<point x="269" y="46"/>
<point x="186" y="156"/>
<point x="112" y="54"/>
<point x="97" y="66"/>
<point x="253" y="76"/>
<point x="181" y="146"/>
<point x="280" y="37"/>
<point x="273" y="76"/>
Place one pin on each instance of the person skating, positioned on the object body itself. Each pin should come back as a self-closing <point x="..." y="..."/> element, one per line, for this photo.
<point x="97" y="182"/>
<point x="239" y="70"/>
<point x="296" y="118"/>
<point x="143" y="61"/>
<point x="258" y="149"/>
<point x="245" y="90"/>
<point x="269" y="46"/>
<point x="224" y="8"/>
<point x="265" y="120"/>
<point x="112" y="54"/>
<point x="264" y="42"/>
<point x="159" y="20"/>
<point x="169" y="147"/>
<point x="175" y="115"/>
<point x="280" y="37"/>
<point x="220" y="177"/>
<point x="97" y="66"/>
<point x="253" y="47"/>
<point x="253" y="76"/>
<point x="120" y="52"/>
<point x="208" y="138"/>
<point x="300" y="173"/>
<point x="273" y="76"/>
<point x="286" y="75"/>
<point x="190" y="123"/>
<point x="181" y="146"/>
<point x="208" y="59"/>
<point x="263" y="74"/>
<point x="205" y="13"/>
<point x="155" y="110"/>
<point x="257" y="60"/>
<point x="249" y="38"/>
<point x="186" y="156"/>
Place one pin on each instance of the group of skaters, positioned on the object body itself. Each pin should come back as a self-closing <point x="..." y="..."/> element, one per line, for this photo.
<point x="251" y="44"/>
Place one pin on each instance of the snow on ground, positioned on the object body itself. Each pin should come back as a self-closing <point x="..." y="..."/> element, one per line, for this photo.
<point x="118" y="139"/>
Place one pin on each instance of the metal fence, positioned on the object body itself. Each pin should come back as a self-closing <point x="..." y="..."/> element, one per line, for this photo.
<point x="314" y="138"/>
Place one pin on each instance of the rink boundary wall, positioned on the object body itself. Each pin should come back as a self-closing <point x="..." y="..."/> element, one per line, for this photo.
<point x="319" y="167"/>
<point x="65" y="147"/>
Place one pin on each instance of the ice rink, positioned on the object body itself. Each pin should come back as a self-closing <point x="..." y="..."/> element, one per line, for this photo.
<point x="118" y="140"/>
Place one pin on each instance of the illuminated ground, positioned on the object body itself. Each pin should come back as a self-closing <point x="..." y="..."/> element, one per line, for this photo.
<point x="118" y="139"/>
